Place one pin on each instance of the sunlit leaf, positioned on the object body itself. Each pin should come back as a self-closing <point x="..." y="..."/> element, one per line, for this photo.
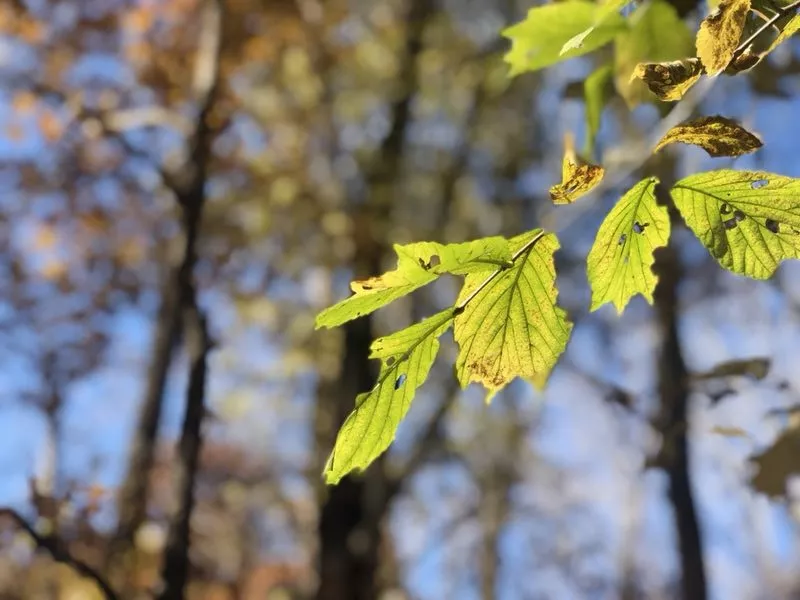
<point x="576" y="179"/>
<point x="537" y="41"/>
<point x="619" y="265"/>
<point x="418" y="264"/>
<point x="669" y="80"/>
<point x="511" y="326"/>
<point x="720" y="33"/>
<point x="608" y="10"/>
<point x="657" y="34"/>
<point x="788" y="30"/>
<point x="406" y="359"/>
<point x="719" y="136"/>
<point x="595" y="92"/>
<point x="748" y="220"/>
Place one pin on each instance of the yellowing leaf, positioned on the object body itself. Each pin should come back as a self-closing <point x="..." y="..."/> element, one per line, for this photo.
<point x="577" y="181"/>
<point x="748" y="220"/>
<point x="538" y="41"/>
<point x="720" y="33"/>
<point x="595" y="97"/>
<point x="619" y="265"/>
<point x="788" y="30"/>
<point x="406" y="359"/>
<point x="657" y="34"/>
<point x="511" y="326"/>
<point x="717" y="135"/>
<point x="670" y="80"/>
<point x="418" y="264"/>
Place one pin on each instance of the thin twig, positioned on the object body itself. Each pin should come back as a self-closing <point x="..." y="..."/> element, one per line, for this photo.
<point x="779" y="14"/>
<point x="59" y="552"/>
<point x="459" y="308"/>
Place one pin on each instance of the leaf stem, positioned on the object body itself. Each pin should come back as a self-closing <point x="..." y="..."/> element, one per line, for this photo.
<point x="780" y="12"/>
<point x="459" y="308"/>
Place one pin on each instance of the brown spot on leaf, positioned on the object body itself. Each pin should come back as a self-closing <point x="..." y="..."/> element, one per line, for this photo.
<point x="669" y="80"/>
<point x="772" y="225"/>
<point x="576" y="179"/>
<point x="718" y="136"/>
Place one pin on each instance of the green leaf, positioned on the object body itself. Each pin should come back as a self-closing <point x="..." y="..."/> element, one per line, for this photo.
<point x="719" y="136"/>
<point x="657" y="34"/>
<point x="595" y="93"/>
<point x="511" y="326"/>
<point x="538" y="41"/>
<point x="719" y="34"/>
<point x="748" y="220"/>
<point x="418" y="264"/>
<point x="406" y="359"/>
<point x="605" y="12"/>
<point x="620" y="262"/>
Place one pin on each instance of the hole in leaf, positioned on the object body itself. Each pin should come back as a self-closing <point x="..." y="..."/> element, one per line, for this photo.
<point x="433" y="261"/>
<point x="400" y="381"/>
<point x="725" y="209"/>
<point x="364" y="286"/>
<point x="730" y="223"/>
<point x="759" y="183"/>
<point x="640" y="227"/>
<point x="773" y="225"/>
<point x="738" y="215"/>
<point x="390" y="361"/>
<point x="622" y="239"/>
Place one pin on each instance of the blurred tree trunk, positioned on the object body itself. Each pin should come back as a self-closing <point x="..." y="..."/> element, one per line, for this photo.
<point x="673" y="423"/>
<point x="351" y="514"/>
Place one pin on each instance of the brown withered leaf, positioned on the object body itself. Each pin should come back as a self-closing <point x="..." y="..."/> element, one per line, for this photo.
<point x="720" y="33"/>
<point x="744" y="62"/>
<point x="719" y="136"/>
<point x="576" y="179"/>
<point x="670" y="80"/>
<point x="778" y="463"/>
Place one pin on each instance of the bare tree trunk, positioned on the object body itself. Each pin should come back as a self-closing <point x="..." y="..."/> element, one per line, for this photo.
<point x="674" y="392"/>
<point x="197" y="340"/>
<point x="352" y="512"/>
<point x="132" y="503"/>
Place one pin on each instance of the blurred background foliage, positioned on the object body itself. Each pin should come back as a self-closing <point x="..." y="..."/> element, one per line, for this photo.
<point x="334" y="129"/>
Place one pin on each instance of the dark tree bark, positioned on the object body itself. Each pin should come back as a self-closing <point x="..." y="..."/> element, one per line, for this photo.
<point x="352" y="512"/>
<point x="674" y="392"/>
<point x="672" y="422"/>
<point x="197" y="340"/>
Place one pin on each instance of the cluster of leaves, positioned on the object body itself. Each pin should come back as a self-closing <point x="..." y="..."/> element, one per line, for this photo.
<point x="506" y="320"/>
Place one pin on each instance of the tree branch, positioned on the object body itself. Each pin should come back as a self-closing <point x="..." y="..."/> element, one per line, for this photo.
<point x="780" y="12"/>
<point x="60" y="553"/>
<point x="175" y="570"/>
